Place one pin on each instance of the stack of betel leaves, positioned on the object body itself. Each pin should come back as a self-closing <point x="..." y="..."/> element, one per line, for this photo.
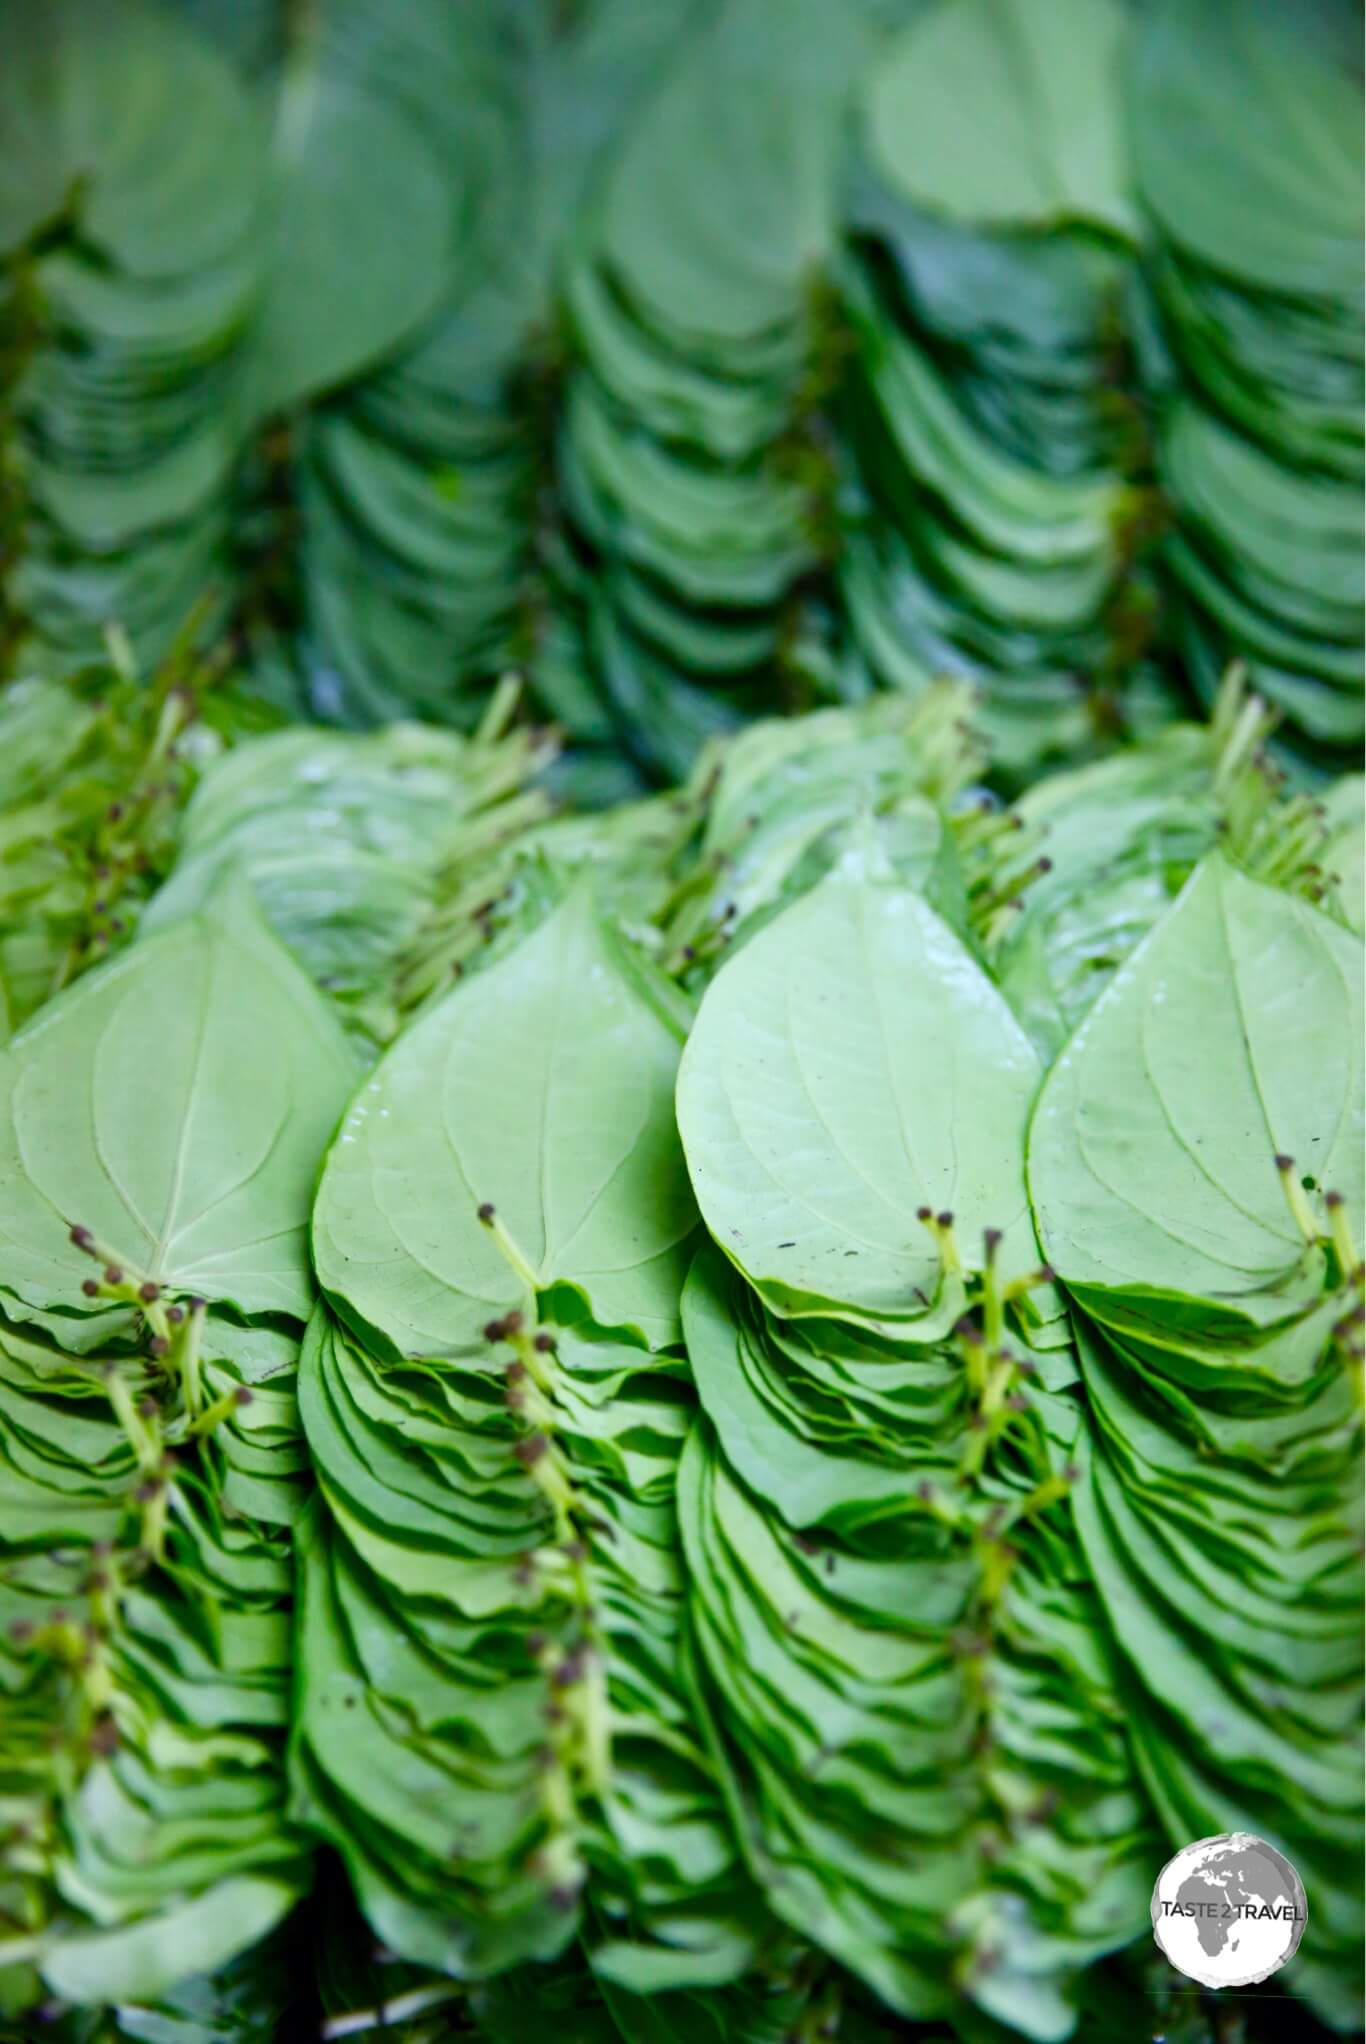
<point x="496" y="1416"/>
<point x="140" y="281"/>
<point x="687" y="465"/>
<point x="1196" y="1174"/>
<point x="747" y="1408"/>
<point x="895" y="1635"/>
<point x="1247" y="142"/>
<point x="371" y="205"/>
<point x="990" y="284"/>
<point x="406" y="477"/>
<point x="417" y="484"/>
<point x="160" y="1125"/>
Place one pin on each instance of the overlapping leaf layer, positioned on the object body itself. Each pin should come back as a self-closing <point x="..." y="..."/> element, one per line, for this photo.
<point x="1256" y="264"/>
<point x="162" y="1121"/>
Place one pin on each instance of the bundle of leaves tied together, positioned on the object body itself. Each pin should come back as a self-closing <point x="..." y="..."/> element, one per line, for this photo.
<point x="736" y="1415"/>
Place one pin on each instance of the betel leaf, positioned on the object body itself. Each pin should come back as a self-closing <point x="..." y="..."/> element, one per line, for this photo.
<point x="93" y="102"/>
<point x="1272" y="195"/>
<point x="1344" y="853"/>
<point x="128" y="1964"/>
<point x="358" y="249"/>
<point x="1232" y="1035"/>
<point x="1007" y="113"/>
<point x="544" y="1088"/>
<point x="851" y="1066"/>
<point x="176" y="1104"/>
<point x="717" y="249"/>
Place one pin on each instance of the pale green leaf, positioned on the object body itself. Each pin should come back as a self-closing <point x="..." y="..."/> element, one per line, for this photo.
<point x="132" y="113"/>
<point x="358" y="247"/>
<point x="1234" y="1033"/>
<point x="139" y="1961"/>
<point x="1006" y="112"/>
<point x="543" y="1087"/>
<point x="851" y="1065"/>
<point x="176" y="1103"/>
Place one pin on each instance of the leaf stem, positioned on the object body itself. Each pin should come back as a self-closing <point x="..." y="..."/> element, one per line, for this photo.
<point x="386" y="2013"/>
<point x="513" y="1256"/>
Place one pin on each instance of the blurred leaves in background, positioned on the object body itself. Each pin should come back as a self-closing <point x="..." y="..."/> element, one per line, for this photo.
<point x="699" y="359"/>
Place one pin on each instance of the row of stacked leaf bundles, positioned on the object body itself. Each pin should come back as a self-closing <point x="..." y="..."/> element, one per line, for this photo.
<point x="1119" y="832"/>
<point x="411" y="482"/>
<point x="289" y="370"/>
<point x="688" y="466"/>
<point x="907" y="1651"/>
<point x="315" y="342"/>
<point x="990" y="280"/>
<point x="1247" y="134"/>
<point x="170" y="296"/>
<point x="728" y="1536"/>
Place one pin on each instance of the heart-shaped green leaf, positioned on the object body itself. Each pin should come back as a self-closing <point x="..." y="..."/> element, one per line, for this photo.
<point x="851" y="1067"/>
<point x="175" y="1104"/>
<point x="1007" y="112"/>
<point x="1233" y="1034"/>
<point x="542" y="1088"/>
